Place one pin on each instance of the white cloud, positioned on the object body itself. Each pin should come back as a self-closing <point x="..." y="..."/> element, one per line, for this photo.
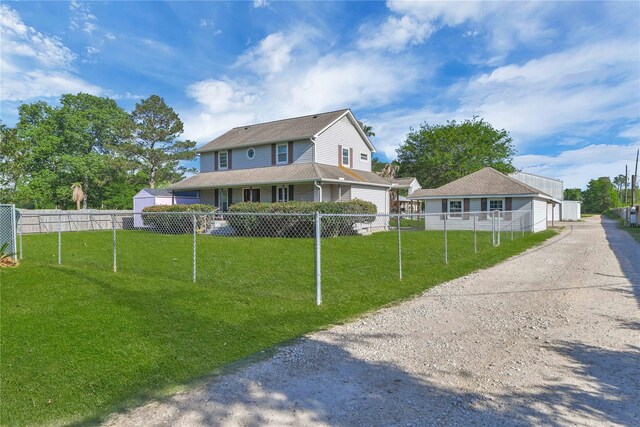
<point x="560" y="91"/>
<point x="82" y="18"/>
<point x="272" y="54"/>
<point x="287" y="77"/>
<point x="260" y="3"/>
<point x="505" y="25"/>
<point x="33" y="64"/>
<point x="110" y="36"/>
<point x="577" y="167"/>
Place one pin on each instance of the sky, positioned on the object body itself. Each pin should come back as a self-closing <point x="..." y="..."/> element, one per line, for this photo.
<point x="563" y="78"/>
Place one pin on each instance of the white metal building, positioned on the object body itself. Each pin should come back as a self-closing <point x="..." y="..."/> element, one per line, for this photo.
<point x="550" y="186"/>
<point x="571" y="210"/>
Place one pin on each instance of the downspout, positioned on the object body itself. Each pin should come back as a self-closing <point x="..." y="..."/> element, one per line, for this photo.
<point x="313" y="141"/>
<point x="319" y="187"/>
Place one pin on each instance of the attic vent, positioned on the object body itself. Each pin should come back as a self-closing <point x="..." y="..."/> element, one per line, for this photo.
<point x="315" y="117"/>
<point x="246" y="128"/>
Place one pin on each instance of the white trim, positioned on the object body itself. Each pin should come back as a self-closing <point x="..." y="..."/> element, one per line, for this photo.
<point x="364" y="154"/>
<point x="285" y="191"/>
<point x="220" y="168"/>
<point x="354" y="123"/>
<point x="285" y="162"/>
<point x="482" y="196"/>
<point x="254" y="153"/>
<point x="456" y="214"/>
<point x="496" y="199"/>
<point x="251" y="188"/>
<point x="348" y="164"/>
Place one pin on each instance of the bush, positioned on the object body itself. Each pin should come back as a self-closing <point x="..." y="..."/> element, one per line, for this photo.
<point x="279" y="225"/>
<point x="177" y="219"/>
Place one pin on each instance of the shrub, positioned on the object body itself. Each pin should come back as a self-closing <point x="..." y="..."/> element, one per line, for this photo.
<point x="269" y="219"/>
<point x="177" y="219"/>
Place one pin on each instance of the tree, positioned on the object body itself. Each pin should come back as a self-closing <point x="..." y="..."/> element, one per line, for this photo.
<point x="573" y="194"/>
<point x="438" y="154"/>
<point x="619" y="182"/>
<point x="377" y="165"/>
<point x="155" y="129"/>
<point x="599" y="196"/>
<point x="12" y="162"/>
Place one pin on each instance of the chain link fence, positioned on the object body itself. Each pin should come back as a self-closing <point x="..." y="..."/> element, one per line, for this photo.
<point x="8" y="218"/>
<point x="311" y="251"/>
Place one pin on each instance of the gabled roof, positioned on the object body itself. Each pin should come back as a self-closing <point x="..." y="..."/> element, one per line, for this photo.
<point x="156" y="192"/>
<point x="485" y="182"/>
<point x="297" y="172"/>
<point x="402" y="183"/>
<point x="292" y="129"/>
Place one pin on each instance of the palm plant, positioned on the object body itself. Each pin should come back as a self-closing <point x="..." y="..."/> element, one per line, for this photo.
<point x="78" y="194"/>
<point x="6" y="257"/>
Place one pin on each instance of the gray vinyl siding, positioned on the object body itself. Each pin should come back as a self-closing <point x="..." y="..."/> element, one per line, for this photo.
<point x="206" y="162"/>
<point x="207" y="197"/>
<point x="302" y="152"/>
<point x="377" y="195"/>
<point x="241" y="161"/>
<point x="342" y="133"/>
<point x="539" y="215"/>
<point x="303" y="192"/>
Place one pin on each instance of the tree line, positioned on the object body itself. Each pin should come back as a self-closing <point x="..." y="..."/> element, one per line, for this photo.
<point x="602" y="194"/>
<point x="91" y="143"/>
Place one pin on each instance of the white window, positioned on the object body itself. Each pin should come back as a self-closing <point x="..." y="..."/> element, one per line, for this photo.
<point x="496" y="205"/>
<point x="223" y="160"/>
<point x="283" y="194"/>
<point x="455" y="207"/>
<point x="283" y="153"/>
<point x="345" y="157"/>
<point x="251" y="153"/>
<point x="364" y="157"/>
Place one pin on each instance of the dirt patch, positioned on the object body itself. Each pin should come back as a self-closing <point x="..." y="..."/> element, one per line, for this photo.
<point x="551" y="336"/>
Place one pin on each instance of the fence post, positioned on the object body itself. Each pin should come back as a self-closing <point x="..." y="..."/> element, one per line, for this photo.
<point x="318" y="272"/>
<point x="511" y="224"/>
<point x="499" y="226"/>
<point x="521" y="226"/>
<point x="493" y="228"/>
<point x="446" y="254"/>
<point x="194" y="247"/>
<point x="399" y="249"/>
<point x="20" y="231"/>
<point x="115" y="260"/>
<point x="59" y="239"/>
<point x="475" y="238"/>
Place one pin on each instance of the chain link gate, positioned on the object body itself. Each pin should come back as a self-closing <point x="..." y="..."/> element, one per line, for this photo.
<point x="8" y="228"/>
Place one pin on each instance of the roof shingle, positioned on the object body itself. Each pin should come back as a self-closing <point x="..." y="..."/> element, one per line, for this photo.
<point x="486" y="181"/>
<point x="302" y="172"/>
<point x="280" y="130"/>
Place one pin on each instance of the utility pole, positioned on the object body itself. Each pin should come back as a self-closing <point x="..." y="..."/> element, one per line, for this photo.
<point x="626" y="182"/>
<point x="634" y="177"/>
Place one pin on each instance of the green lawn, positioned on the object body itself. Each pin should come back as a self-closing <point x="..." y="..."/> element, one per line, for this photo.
<point x="79" y="341"/>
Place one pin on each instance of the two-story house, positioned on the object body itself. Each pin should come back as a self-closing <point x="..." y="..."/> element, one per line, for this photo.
<point x="321" y="157"/>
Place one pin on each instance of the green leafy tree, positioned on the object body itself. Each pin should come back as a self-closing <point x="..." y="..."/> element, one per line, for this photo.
<point x="619" y="182"/>
<point x="79" y="141"/>
<point x="13" y="152"/>
<point x="573" y="194"/>
<point x="600" y="196"/>
<point x="438" y="154"/>
<point x="156" y="127"/>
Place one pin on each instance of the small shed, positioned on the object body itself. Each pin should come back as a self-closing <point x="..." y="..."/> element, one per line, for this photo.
<point x="571" y="210"/>
<point x="160" y="196"/>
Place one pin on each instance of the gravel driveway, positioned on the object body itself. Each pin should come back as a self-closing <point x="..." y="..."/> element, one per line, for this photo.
<point x="549" y="337"/>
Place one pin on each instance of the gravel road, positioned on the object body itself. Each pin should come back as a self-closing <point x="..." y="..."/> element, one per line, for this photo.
<point x="549" y="337"/>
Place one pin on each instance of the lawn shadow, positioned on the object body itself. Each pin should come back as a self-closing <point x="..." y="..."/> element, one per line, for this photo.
<point x="319" y="382"/>
<point x="627" y="252"/>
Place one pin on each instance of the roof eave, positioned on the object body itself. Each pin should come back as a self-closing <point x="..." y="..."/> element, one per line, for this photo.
<point x="251" y="144"/>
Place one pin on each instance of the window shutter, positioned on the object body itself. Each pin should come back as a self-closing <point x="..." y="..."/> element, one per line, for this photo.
<point x="229" y="159"/>
<point x="339" y="155"/>
<point x="273" y="154"/>
<point x="215" y="160"/>
<point x="216" y="197"/>
<point x="290" y="152"/>
<point x="508" y="206"/>
<point x="291" y="192"/>
<point x="466" y="207"/>
<point x="483" y="207"/>
<point x="274" y="194"/>
<point x="445" y="208"/>
<point x="230" y="197"/>
<point x="351" y="157"/>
